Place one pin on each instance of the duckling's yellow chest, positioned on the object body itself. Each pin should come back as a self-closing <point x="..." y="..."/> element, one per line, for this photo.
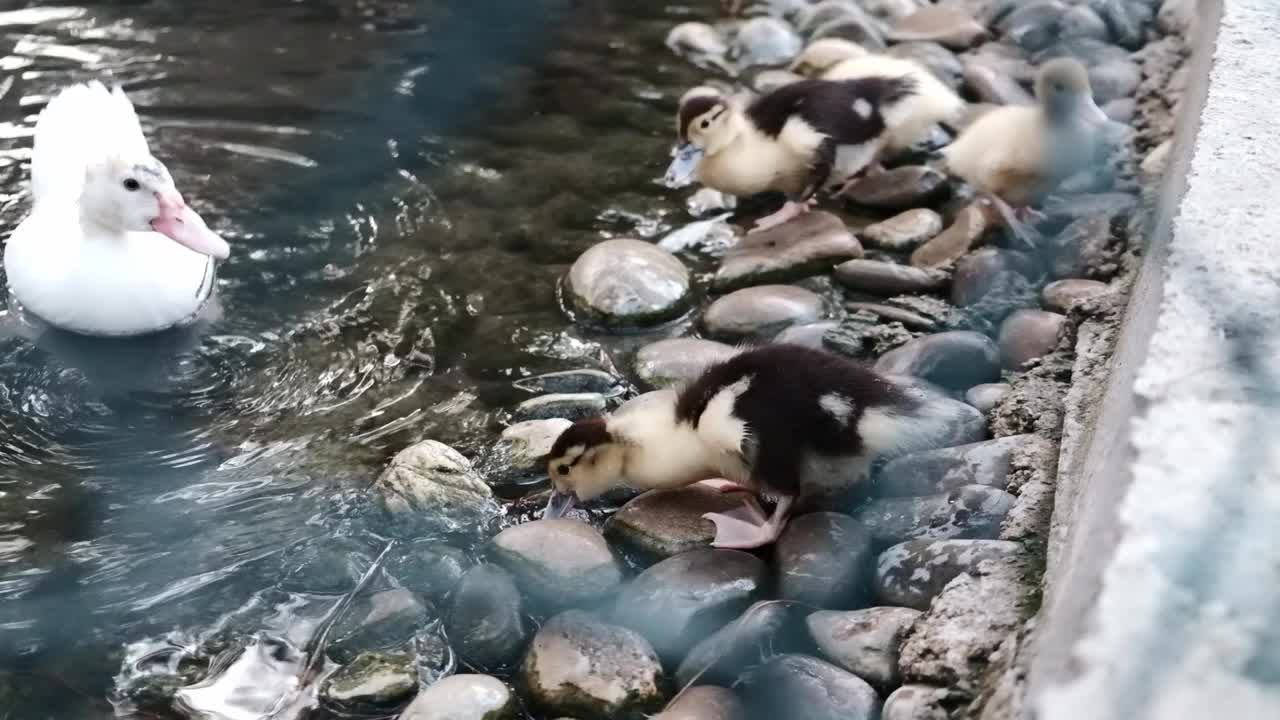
<point x="753" y="165"/>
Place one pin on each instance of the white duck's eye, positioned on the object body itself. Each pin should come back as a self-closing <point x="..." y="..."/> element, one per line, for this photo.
<point x="131" y="185"/>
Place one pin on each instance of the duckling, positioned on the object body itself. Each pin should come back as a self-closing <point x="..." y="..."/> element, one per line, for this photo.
<point x="767" y="420"/>
<point x="1017" y="154"/>
<point x="933" y="103"/>
<point x="791" y="139"/>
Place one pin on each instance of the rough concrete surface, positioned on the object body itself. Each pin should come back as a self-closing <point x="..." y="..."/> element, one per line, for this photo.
<point x="1163" y="595"/>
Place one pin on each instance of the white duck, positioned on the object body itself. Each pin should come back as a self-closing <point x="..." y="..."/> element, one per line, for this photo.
<point x="109" y="248"/>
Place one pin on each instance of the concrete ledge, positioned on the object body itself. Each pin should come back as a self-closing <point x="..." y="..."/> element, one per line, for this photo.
<point x="1163" y="584"/>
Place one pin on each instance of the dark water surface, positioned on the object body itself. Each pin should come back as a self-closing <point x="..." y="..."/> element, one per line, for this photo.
<point x="402" y="183"/>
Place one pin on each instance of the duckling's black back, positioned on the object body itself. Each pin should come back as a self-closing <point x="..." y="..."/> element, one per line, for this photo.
<point x="794" y="400"/>
<point x="848" y="111"/>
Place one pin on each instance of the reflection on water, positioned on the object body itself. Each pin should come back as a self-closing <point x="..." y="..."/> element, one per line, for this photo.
<point x="402" y="184"/>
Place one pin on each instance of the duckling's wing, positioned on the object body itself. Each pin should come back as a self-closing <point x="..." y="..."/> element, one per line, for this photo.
<point x="81" y="125"/>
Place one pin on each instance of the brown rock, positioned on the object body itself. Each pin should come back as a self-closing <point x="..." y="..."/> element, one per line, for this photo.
<point x="903" y="187"/>
<point x="979" y="271"/>
<point x="864" y="642"/>
<point x="662" y="523"/>
<point x="991" y="85"/>
<point x="948" y="24"/>
<point x="1028" y="334"/>
<point x="963" y="234"/>
<point x="1062" y="295"/>
<point x="885" y="278"/>
<point x="761" y="311"/>
<point x="808" y="245"/>
<point x="909" y="319"/>
<point x="904" y="231"/>
<point x="704" y="702"/>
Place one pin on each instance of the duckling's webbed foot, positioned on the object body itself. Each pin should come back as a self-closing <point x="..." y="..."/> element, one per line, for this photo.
<point x="723" y="485"/>
<point x="1021" y="230"/>
<point x="788" y="211"/>
<point x="747" y="527"/>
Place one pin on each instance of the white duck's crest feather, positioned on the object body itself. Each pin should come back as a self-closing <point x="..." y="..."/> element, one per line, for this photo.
<point x="83" y="124"/>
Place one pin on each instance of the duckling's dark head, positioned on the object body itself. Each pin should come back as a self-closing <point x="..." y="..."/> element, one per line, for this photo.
<point x="584" y="462"/>
<point x="697" y="117"/>
<point x="1063" y="89"/>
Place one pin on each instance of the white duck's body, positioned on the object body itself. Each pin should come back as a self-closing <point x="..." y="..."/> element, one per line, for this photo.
<point x="86" y="258"/>
<point x="913" y="119"/>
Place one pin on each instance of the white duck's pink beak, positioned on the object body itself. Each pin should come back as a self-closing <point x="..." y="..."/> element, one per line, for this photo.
<point x="185" y="227"/>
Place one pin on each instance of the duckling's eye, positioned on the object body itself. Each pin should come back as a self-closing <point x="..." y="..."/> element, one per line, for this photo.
<point x="131" y="185"/>
<point x="706" y="123"/>
<point x="562" y="469"/>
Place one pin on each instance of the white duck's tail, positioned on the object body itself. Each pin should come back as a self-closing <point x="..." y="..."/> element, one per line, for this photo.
<point x="81" y="125"/>
<point x="924" y="421"/>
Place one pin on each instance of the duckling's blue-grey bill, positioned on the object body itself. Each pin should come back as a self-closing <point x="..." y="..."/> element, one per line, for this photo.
<point x="683" y="165"/>
<point x="559" y="504"/>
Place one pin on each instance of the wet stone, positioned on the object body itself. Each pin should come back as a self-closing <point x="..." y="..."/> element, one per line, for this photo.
<point x="1115" y="79"/>
<point x="993" y="86"/>
<point x="752" y="637"/>
<point x="1062" y="295"/>
<point x="580" y="666"/>
<point x="628" y="282"/>
<point x="917" y="702"/>
<point x="900" y="188"/>
<point x="372" y="681"/>
<point x="663" y="523"/>
<point x="486" y="619"/>
<point x="704" y="702"/>
<point x="956" y="360"/>
<point x="948" y="24"/>
<point x="978" y="273"/>
<point x="969" y="512"/>
<point x="939" y="60"/>
<point x="517" y="459"/>
<point x="1127" y="20"/>
<point x="713" y="236"/>
<point x="383" y="620"/>
<point x="905" y="231"/>
<point x="696" y="38"/>
<point x="807" y="245"/>
<point x="464" y="697"/>
<point x="808" y="335"/>
<point x="883" y="278"/>
<point x="572" y="381"/>
<point x="962" y="235"/>
<point x="823" y="559"/>
<point x="765" y="41"/>
<point x="864" y="642"/>
<point x="429" y="567"/>
<point x="777" y="688"/>
<point x="761" y="311"/>
<point x="913" y="573"/>
<point x="706" y="201"/>
<point x="862" y="336"/>
<point x="934" y="309"/>
<point x="1177" y="17"/>
<point x="1080" y="21"/>
<point x="561" y="562"/>
<point x="934" y="471"/>
<point x="811" y="18"/>
<point x="1033" y="25"/>
<point x="1083" y="207"/>
<point x="987" y="396"/>
<point x="909" y="319"/>
<point x="672" y="361"/>
<point x="1085" y="248"/>
<point x="567" y="406"/>
<point x="1121" y="110"/>
<point x="683" y="599"/>
<point x="438" y="486"/>
<point x="1029" y="334"/>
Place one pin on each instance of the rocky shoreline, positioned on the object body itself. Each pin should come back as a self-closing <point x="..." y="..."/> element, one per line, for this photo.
<point x="912" y="602"/>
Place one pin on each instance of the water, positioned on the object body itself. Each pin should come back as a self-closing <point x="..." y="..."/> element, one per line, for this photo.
<point x="403" y="183"/>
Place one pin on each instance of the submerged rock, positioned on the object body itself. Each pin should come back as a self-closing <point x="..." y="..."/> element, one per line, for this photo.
<point x="371" y="682"/>
<point x="913" y="573"/>
<point x="925" y="473"/>
<point x="566" y="406"/>
<point x="777" y="688"/>
<point x="1029" y="334"/>
<point x="581" y="666"/>
<point x="683" y="599"/>
<point x="486" y="619"/>
<point x="518" y="458"/>
<point x="761" y="311"/>
<point x="429" y="567"/>
<point x="386" y="620"/>
<point x="572" y="381"/>
<point x="628" y="282"/>
<point x="864" y="642"/>
<point x="434" y="481"/>
<point x="971" y="511"/>
<point x="705" y="702"/>
<point x="807" y="245"/>
<point x="561" y="562"/>
<point x="978" y="274"/>
<point x="905" y="231"/>
<point x="885" y="278"/>
<point x="956" y="360"/>
<point x="464" y="697"/>
<point x="824" y="559"/>
<point x="663" y="523"/>
<point x="675" y="360"/>
<point x="754" y="636"/>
